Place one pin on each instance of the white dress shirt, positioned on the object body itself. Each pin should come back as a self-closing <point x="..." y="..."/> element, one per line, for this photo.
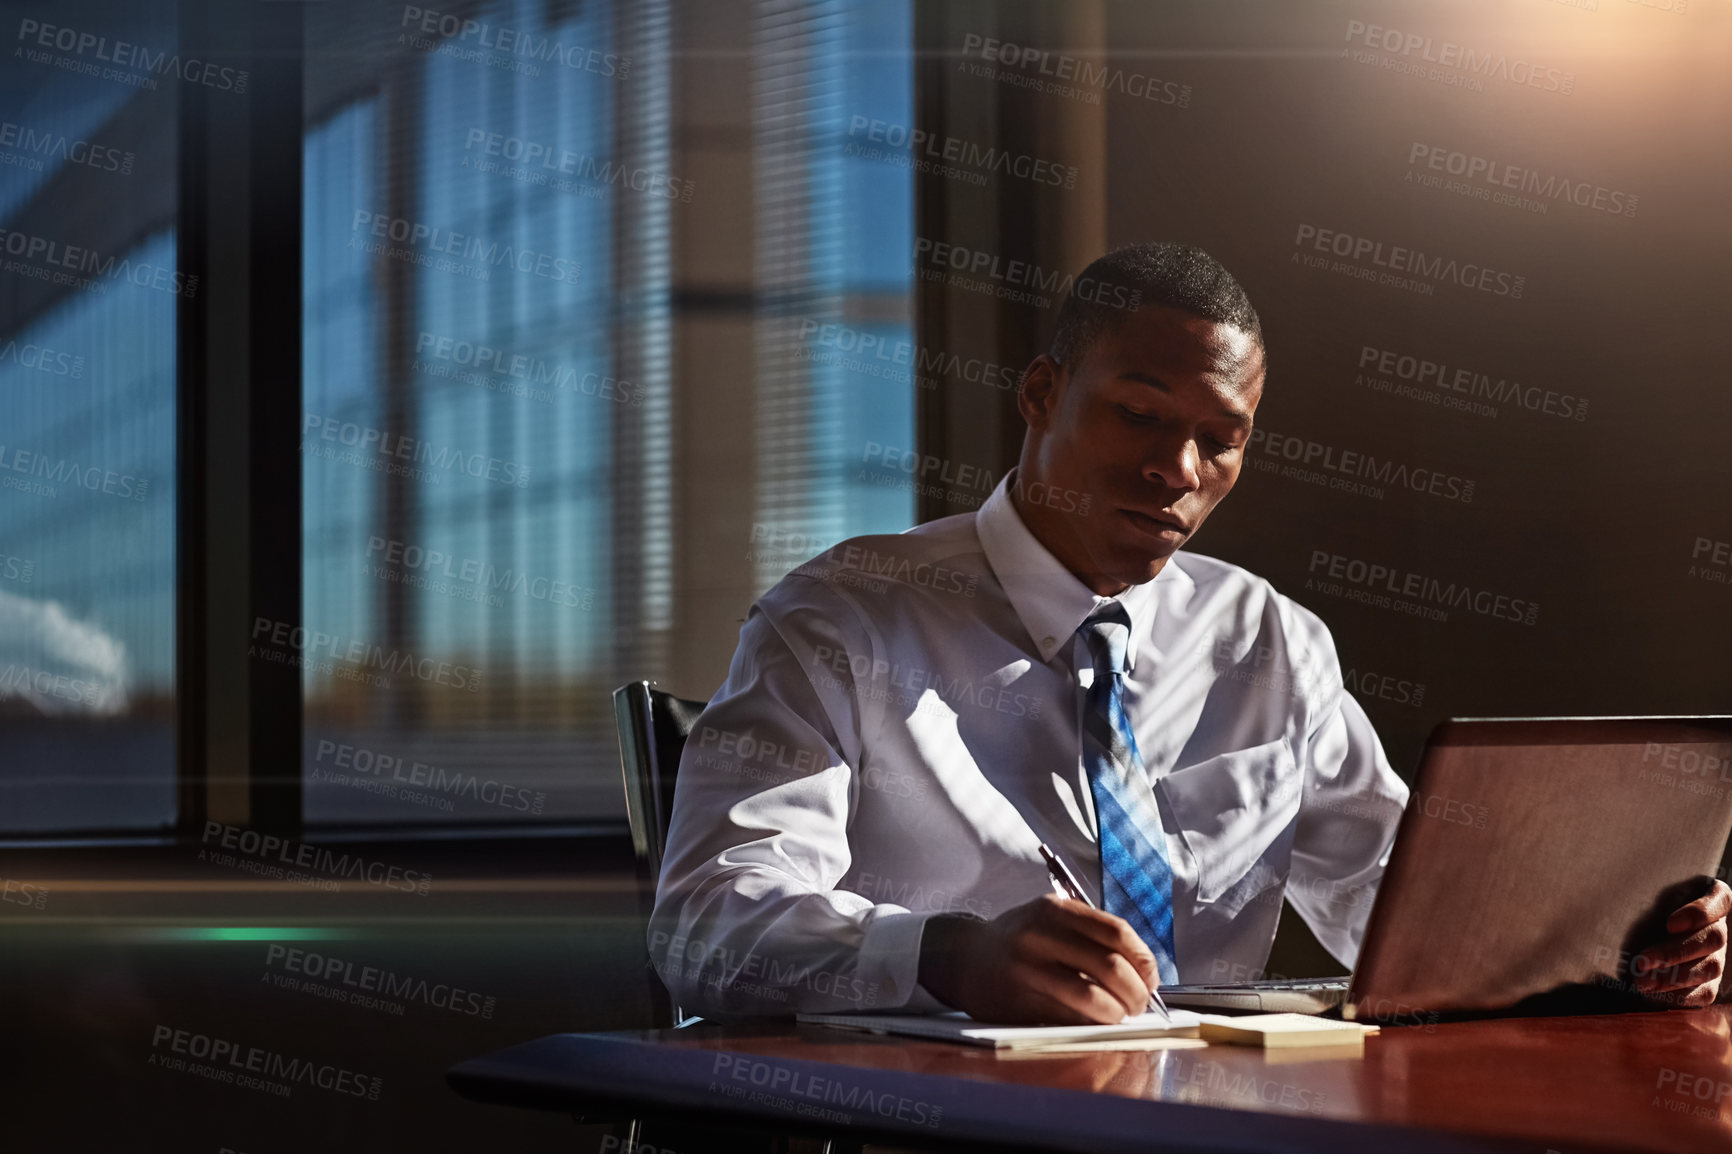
<point x="900" y="730"/>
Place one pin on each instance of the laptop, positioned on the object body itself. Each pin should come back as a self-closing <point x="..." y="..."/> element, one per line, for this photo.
<point x="1535" y="857"/>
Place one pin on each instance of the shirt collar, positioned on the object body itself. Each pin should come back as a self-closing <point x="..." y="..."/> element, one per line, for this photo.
<point x="1050" y="600"/>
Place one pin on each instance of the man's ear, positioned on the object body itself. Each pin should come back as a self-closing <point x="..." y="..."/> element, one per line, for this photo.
<point x="1037" y="395"/>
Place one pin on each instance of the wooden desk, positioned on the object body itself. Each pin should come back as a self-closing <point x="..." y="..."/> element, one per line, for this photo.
<point x="1651" y="1081"/>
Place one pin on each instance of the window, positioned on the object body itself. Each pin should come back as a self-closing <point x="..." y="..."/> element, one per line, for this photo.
<point x="835" y="228"/>
<point x="507" y="508"/>
<point x="493" y="528"/>
<point x="88" y="295"/>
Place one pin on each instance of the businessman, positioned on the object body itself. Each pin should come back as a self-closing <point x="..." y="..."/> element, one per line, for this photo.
<point x="908" y="717"/>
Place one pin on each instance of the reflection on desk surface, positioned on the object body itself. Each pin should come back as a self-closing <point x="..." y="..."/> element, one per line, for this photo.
<point x="1647" y="1081"/>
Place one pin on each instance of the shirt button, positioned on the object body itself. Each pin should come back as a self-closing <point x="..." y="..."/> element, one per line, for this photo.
<point x="1045" y="641"/>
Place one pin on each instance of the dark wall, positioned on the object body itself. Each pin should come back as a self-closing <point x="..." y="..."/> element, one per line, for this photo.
<point x="1579" y="482"/>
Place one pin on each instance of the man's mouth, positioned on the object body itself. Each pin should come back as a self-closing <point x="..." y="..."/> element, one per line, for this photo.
<point x="1156" y="523"/>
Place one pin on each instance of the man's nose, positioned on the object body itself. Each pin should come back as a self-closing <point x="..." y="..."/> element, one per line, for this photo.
<point x="1175" y="466"/>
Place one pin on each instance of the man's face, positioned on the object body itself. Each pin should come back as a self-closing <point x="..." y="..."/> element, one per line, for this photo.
<point x="1151" y="425"/>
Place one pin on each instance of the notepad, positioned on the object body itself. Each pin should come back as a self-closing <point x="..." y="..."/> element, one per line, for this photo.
<point x="957" y="1027"/>
<point x="1282" y="1031"/>
<point x="1111" y="1045"/>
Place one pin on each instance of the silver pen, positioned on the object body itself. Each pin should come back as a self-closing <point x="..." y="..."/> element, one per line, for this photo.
<point x="1067" y="882"/>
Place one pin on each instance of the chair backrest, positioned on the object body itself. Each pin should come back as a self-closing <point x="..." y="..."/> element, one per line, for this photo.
<point x="653" y="727"/>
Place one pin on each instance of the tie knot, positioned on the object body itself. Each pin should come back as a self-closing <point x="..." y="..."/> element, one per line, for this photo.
<point x="1107" y="631"/>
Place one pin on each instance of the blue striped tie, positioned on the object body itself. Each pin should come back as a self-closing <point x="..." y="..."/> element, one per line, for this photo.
<point x="1136" y="882"/>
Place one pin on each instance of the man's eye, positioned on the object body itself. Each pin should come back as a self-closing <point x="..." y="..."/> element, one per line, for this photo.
<point x="1219" y="447"/>
<point x="1137" y="414"/>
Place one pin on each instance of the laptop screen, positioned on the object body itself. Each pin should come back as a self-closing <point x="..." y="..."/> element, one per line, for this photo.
<point x="1536" y="856"/>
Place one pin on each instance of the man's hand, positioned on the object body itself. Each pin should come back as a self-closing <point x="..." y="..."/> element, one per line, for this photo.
<point x="1685" y="966"/>
<point x="1051" y="960"/>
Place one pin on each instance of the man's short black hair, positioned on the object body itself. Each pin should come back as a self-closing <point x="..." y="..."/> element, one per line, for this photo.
<point x="1124" y="280"/>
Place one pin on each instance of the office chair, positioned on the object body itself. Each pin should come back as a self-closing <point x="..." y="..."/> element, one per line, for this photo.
<point x="653" y="727"/>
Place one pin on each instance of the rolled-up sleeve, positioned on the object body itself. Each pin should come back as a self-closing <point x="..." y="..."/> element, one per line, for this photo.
<point x="748" y="919"/>
<point x="1352" y="804"/>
